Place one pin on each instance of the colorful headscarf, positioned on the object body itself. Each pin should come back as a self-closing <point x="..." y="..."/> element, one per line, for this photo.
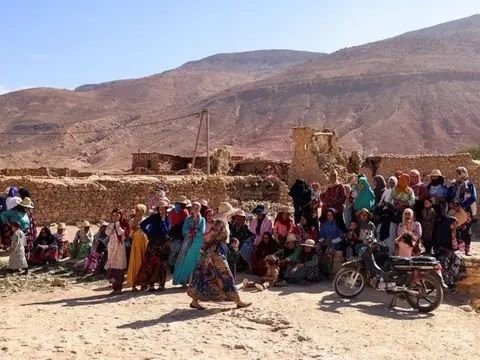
<point x="403" y="184"/>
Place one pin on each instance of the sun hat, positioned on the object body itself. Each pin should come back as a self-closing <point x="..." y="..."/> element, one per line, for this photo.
<point x="436" y="172"/>
<point x="240" y="213"/>
<point x="26" y="203"/>
<point x="361" y="211"/>
<point x="85" y="224"/>
<point x="291" y="238"/>
<point x="182" y="200"/>
<point x="102" y="223"/>
<point x="196" y="203"/>
<point x="163" y="204"/>
<point x="61" y="226"/>
<point x="260" y="209"/>
<point x="224" y="210"/>
<point x="309" y="243"/>
<point x="188" y="203"/>
<point x="203" y="202"/>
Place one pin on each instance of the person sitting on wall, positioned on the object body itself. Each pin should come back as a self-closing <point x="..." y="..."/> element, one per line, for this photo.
<point x="334" y="198"/>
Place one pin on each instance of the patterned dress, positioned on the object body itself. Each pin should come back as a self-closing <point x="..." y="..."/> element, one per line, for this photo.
<point x="212" y="279"/>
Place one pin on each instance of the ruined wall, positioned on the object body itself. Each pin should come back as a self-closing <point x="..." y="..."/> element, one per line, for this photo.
<point x="74" y="199"/>
<point x="44" y="172"/>
<point x="315" y="155"/>
<point x="471" y="284"/>
<point x="262" y="167"/>
<point x="386" y="165"/>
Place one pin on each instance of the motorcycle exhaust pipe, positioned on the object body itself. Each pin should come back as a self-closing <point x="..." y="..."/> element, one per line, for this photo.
<point x="401" y="289"/>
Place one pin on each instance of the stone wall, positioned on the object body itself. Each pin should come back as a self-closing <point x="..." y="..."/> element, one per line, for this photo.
<point x="386" y="165"/>
<point x="73" y="199"/>
<point x="44" y="172"/>
<point x="471" y="284"/>
<point x="263" y="167"/>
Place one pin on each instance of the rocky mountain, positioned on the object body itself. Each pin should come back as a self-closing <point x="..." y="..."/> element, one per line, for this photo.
<point x="414" y="93"/>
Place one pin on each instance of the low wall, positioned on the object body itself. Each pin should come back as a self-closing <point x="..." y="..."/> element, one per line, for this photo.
<point x="44" y="172"/>
<point x="73" y="199"/>
<point x="387" y="165"/>
<point x="471" y="284"/>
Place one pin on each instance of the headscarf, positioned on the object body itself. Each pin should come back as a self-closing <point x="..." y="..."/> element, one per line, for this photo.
<point x="12" y="192"/>
<point x="394" y="179"/>
<point x="365" y="197"/>
<point x="46" y="239"/>
<point x="403" y="184"/>
<point x="23" y="193"/>
<point x="405" y="212"/>
<point x="300" y="193"/>
<point x="463" y="172"/>
<point x="380" y="187"/>
<point x="286" y="222"/>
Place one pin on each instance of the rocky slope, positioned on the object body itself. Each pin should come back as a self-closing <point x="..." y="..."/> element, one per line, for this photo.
<point x="417" y="92"/>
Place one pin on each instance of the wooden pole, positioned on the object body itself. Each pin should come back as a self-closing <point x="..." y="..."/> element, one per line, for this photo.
<point x="208" y="142"/>
<point x="196" y="143"/>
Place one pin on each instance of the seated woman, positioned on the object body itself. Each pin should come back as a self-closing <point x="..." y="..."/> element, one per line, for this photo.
<point x="289" y="254"/>
<point x="45" y="248"/>
<point x="283" y="225"/>
<point x="239" y="230"/>
<point x="306" y="229"/>
<point x="267" y="246"/>
<point x="331" y="241"/>
<point x="305" y="267"/>
<point x="82" y="243"/>
<point x="62" y="239"/>
<point x="98" y="255"/>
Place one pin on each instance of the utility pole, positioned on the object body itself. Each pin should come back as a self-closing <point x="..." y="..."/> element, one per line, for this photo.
<point x="208" y="141"/>
<point x="196" y="142"/>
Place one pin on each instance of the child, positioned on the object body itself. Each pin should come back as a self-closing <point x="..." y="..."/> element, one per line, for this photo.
<point x="271" y="277"/>
<point x="352" y="239"/>
<point x="17" y="260"/>
<point x="233" y="256"/>
<point x="428" y="219"/>
<point x="406" y="243"/>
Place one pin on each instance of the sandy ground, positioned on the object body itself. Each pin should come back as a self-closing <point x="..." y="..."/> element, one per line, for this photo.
<point x="81" y="321"/>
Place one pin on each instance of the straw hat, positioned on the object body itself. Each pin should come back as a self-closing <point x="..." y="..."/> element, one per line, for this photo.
<point x="102" y="223"/>
<point x="291" y="238"/>
<point x="197" y="204"/>
<point x="361" y="211"/>
<point x="224" y="210"/>
<point x="163" y="204"/>
<point x="26" y="203"/>
<point x="309" y="243"/>
<point x="203" y="202"/>
<point x="436" y="172"/>
<point x="61" y="226"/>
<point x="84" y="224"/>
<point x="188" y="203"/>
<point x="182" y="200"/>
<point x="240" y="213"/>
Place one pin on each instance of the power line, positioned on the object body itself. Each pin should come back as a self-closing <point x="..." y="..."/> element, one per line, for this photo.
<point x="196" y="114"/>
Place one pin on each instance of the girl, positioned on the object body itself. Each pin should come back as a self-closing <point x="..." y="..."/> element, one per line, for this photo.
<point x="117" y="231"/>
<point x="17" y="260"/>
<point x="306" y="230"/>
<point x="96" y="258"/>
<point x="428" y="221"/>
<point x="270" y="278"/>
<point x="352" y="239"/>
<point x="267" y="246"/>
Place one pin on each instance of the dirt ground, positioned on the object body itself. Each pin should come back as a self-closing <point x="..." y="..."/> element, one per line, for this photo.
<point x="81" y="321"/>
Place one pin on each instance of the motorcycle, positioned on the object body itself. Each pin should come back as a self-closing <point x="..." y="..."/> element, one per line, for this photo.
<point x="413" y="278"/>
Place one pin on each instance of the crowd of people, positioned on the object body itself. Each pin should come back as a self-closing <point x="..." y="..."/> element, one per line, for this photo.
<point x="204" y="249"/>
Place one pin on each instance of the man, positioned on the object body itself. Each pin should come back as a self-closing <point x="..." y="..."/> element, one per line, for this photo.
<point x="420" y="191"/>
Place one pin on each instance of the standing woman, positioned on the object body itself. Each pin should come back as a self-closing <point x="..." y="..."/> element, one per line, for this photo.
<point x="155" y="263"/>
<point x="189" y="255"/>
<point x="139" y="246"/>
<point x="413" y="227"/>
<point x="334" y="197"/>
<point x="117" y="231"/>
<point x="32" y="230"/>
<point x="301" y="196"/>
<point x="365" y="197"/>
<point x="212" y="279"/>
<point x="18" y="214"/>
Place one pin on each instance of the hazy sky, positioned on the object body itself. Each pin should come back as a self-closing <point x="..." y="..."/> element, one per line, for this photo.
<point x="65" y="43"/>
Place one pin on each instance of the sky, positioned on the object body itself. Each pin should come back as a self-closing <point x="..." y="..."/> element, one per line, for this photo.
<point x="64" y="44"/>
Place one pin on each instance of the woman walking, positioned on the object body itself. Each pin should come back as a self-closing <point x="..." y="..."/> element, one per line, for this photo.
<point x="189" y="256"/>
<point x="212" y="279"/>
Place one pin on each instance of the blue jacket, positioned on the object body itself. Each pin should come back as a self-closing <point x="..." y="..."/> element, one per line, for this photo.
<point x="155" y="227"/>
<point x="466" y="202"/>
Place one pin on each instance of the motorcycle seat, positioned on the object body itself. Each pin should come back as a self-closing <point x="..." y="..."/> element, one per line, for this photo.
<point x="413" y="260"/>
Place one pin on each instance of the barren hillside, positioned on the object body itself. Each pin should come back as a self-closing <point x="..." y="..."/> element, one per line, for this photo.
<point x="417" y="92"/>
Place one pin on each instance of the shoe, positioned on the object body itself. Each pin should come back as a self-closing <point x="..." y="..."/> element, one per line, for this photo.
<point x="241" y="305"/>
<point x="259" y="287"/>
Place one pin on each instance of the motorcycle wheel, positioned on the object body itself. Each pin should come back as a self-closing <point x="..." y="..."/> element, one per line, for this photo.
<point x="348" y="279"/>
<point x="431" y="294"/>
